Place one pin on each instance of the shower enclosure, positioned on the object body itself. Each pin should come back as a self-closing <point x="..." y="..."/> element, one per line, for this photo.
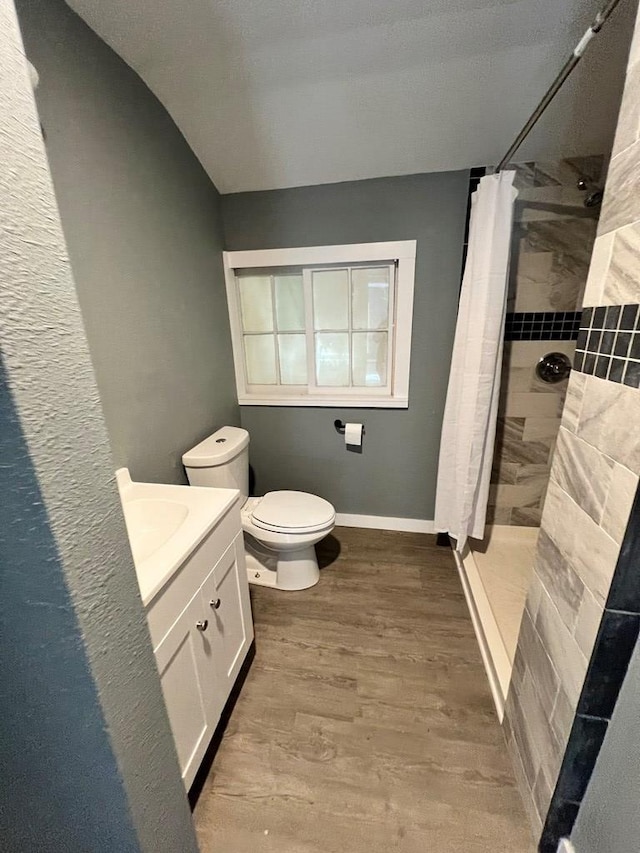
<point x="554" y="229"/>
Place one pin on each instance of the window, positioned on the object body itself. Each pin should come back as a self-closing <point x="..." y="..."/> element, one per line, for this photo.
<point x="322" y="326"/>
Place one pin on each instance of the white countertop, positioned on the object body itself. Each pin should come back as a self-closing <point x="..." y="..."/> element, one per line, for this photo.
<point x="166" y="523"/>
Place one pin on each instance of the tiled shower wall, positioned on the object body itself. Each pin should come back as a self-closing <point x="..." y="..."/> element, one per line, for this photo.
<point x="552" y="240"/>
<point x="593" y="481"/>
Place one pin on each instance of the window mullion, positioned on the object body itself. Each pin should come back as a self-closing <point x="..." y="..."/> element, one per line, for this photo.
<point x="309" y="328"/>
<point x="349" y="326"/>
<point x="242" y="333"/>
<point x="391" y="326"/>
<point x="275" y="329"/>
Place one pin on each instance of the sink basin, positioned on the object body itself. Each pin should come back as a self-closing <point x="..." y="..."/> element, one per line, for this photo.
<point x="150" y="523"/>
<point x="166" y="523"/>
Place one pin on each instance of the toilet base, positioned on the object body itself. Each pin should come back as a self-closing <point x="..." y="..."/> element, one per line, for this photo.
<point x="290" y="570"/>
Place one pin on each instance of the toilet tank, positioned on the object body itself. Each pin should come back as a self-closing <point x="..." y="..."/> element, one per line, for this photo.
<point x="221" y="460"/>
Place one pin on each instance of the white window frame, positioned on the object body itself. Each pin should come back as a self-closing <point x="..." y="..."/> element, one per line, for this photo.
<point x="401" y="253"/>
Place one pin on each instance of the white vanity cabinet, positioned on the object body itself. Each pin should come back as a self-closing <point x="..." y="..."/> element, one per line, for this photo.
<point x="225" y="597"/>
<point x="189" y="688"/>
<point x="201" y="628"/>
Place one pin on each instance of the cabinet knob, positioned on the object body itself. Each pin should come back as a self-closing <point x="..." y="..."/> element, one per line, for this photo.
<point x="215" y="603"/>
<point x="202" y="624"/>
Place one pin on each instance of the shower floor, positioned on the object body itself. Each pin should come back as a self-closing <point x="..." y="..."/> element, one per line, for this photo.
<point x="505" y="564"/>
<point x="495" y="575"/>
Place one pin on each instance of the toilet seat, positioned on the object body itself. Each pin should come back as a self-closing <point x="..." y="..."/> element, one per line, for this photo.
<point x="292" y="512"/>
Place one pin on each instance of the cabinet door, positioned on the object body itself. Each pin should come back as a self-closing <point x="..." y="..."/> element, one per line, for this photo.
<point x="226" y="598"/>
<point x="188" y="683"/>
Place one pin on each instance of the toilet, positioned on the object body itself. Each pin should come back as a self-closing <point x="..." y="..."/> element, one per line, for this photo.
<point x="280" y="528"/>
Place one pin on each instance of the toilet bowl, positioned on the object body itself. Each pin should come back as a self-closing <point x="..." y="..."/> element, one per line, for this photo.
<point x="280" y="529"/>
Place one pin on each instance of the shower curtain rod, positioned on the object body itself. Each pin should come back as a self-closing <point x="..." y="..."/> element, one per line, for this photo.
<point x="552" y="91"/>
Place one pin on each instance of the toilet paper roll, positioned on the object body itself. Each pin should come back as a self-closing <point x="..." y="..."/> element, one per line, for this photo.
<point x="353" y="435"/>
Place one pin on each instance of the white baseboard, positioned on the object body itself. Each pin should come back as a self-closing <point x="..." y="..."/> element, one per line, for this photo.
<point x="566" y="846"/>
<point x="384" y="522"/>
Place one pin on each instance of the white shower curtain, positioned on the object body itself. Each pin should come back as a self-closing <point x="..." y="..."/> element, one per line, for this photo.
<point x="469" y="425"/>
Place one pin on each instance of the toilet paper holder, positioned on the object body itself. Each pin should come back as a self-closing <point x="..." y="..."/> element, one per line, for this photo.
<point x="340" y="426"/>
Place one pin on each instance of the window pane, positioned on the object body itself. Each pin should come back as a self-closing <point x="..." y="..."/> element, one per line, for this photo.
<point x="289" y="303"/>
<point x="370" y="298"/>
<point x="255" y="299"/>
<point x="331" y="299"/>
<point x="332" y="359"/>
<point x="369" y="358"/>
<point x="292" y="350"/>
<point x="260" y="357"/>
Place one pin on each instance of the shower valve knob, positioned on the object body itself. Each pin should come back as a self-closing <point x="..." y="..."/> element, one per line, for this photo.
<point x="553" y="367"/>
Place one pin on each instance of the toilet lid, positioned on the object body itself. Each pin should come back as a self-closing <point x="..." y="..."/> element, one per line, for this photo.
<point x="294" y="511"/>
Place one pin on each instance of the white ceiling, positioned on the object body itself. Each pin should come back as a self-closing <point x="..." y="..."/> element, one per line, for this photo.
<point x="280" y="93"/>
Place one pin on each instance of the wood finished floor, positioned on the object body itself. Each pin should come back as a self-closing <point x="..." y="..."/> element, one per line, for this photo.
<point x="366" y="722"/>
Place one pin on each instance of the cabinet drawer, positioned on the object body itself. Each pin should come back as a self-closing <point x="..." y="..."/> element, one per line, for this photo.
<point x="167" y="606"/>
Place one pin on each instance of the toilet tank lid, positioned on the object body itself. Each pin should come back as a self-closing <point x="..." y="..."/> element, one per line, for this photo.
<point x="219" y="448"/>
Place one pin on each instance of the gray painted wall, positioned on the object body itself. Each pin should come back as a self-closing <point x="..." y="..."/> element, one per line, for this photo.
<point x="609" y="817"/>
<point x="298" y="448"/>
<point x="88" y="759"/>
<point x="142" y="223"/>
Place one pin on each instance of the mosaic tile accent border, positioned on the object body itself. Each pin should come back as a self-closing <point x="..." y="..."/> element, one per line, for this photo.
<point x="542" y="326"/>
<point x="608" y="343"/>
<point x="475" y="174"/>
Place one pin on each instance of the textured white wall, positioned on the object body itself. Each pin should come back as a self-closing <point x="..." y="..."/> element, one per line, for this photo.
<point x="51" y="380"/>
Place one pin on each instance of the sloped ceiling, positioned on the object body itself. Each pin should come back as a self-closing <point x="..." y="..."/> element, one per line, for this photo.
<point x="279" y="93"/>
